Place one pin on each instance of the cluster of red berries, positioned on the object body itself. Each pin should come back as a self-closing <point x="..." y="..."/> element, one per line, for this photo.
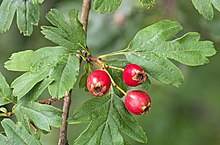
<point x="136" y="101"/>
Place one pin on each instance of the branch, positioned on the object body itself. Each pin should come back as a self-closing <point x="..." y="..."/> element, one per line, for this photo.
<point x="63" y="130"/>
<point x="67" y="98"/>
<point x="85" y="13"/>
<point x="48" y="101"/>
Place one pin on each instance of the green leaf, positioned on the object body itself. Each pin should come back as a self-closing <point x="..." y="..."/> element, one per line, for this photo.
<point x="216" y="4"/>
<point x="43" y="116"/>
<point x="70" y="35"/>
<point x="205" y="7"/>
<point x="28" y="14"/>
<point x="5" y="92"/>
<point x="147" y="3"/>
<point x="83" y="79"/>
<point x="38" y="65"/>
<point x="145" y="86"/>
<point x="151" y="48"/>
<point x="16" y="134"/>
<point x="65" y="76"/>
<point x="23" y="84"/>
<point x="38" y="1"/>
<point x="20" y="61"/>
<point x="7" y="12"/>
<point x="4" y="110"/>
<point x="37" y="90"/>
<point x="106" y="6"/>
<point x="108" y="119"/>
<point x="36" y="61"/>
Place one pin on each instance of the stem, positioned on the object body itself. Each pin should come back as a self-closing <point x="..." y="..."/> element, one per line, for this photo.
<point x="67" y="98"/>
<point x="97" y="60"/>
<point x="113" y="53"/>
<point x="81" y="55"/>
<point x="114" y="84"/>
<point x="117" y="68"/>
<point x="48" y="101"/>
<point x="85" y="49"/>
<point x="63" y="130"/>
<point x="85" y="13"/>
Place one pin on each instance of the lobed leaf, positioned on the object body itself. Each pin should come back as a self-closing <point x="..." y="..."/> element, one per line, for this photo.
<point x="106" y="6"/>
<point x="205" y="7"/>
<point x="7" y="12"/>
<point x="70" y="35"/>
<point x="151" y="48"/>
<point x="108" y="119"/>
<point x="65" y="76"/>
<point x="28" y="14"/>
<point x="6" y="96"/>
<point x="23" y="84"/>
<point x="43" y="116"/>
<point x="37" y="90"/>
<point x="16" y="134"/>
<point x="35" y="61"/>
<point x="40" y="64"/>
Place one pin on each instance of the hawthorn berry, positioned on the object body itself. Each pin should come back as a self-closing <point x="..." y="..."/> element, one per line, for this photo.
<point x="137" y="102"/>
<point x="98" y="83"/>
<point x="133" y="75"/>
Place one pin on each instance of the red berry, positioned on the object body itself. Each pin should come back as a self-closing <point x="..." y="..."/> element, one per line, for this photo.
<point x="98" y="83"/>
<point x="133" y="75"/>
<point x="137" y="102"/>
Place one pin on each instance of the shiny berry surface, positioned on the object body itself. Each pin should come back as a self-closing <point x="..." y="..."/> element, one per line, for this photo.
<point x="98" y="83"/>
<point x="133" y="75"/>
<point x="137" y="102"/>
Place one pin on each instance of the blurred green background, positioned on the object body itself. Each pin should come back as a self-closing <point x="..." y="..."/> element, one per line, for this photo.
<point x="189" y="115"/>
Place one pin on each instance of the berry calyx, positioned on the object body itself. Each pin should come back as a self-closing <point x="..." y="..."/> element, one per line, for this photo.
<point x="133" y="75"/>
<point x="137" y="102"/>
<point x="98" y="83"/>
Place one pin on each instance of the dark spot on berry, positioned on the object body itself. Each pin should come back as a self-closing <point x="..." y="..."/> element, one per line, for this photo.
<point x="140" y="76"/>
<point x="147" y="109"/>
<point x="97" y="90"/>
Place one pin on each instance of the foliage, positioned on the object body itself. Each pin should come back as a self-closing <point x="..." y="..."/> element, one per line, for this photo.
<point x="57" y="68"/>
<point x="205" y="7"/>
<point x="16" y="134"/>
<point x="108" y="119"/>
<point x="28" y="14"/>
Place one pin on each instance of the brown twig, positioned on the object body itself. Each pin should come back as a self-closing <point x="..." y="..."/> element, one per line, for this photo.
<point x="63" y="129"/>
<point x="85" y="13"/>
<point x="67" y="98"/>
<point x="48" y="101"/>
